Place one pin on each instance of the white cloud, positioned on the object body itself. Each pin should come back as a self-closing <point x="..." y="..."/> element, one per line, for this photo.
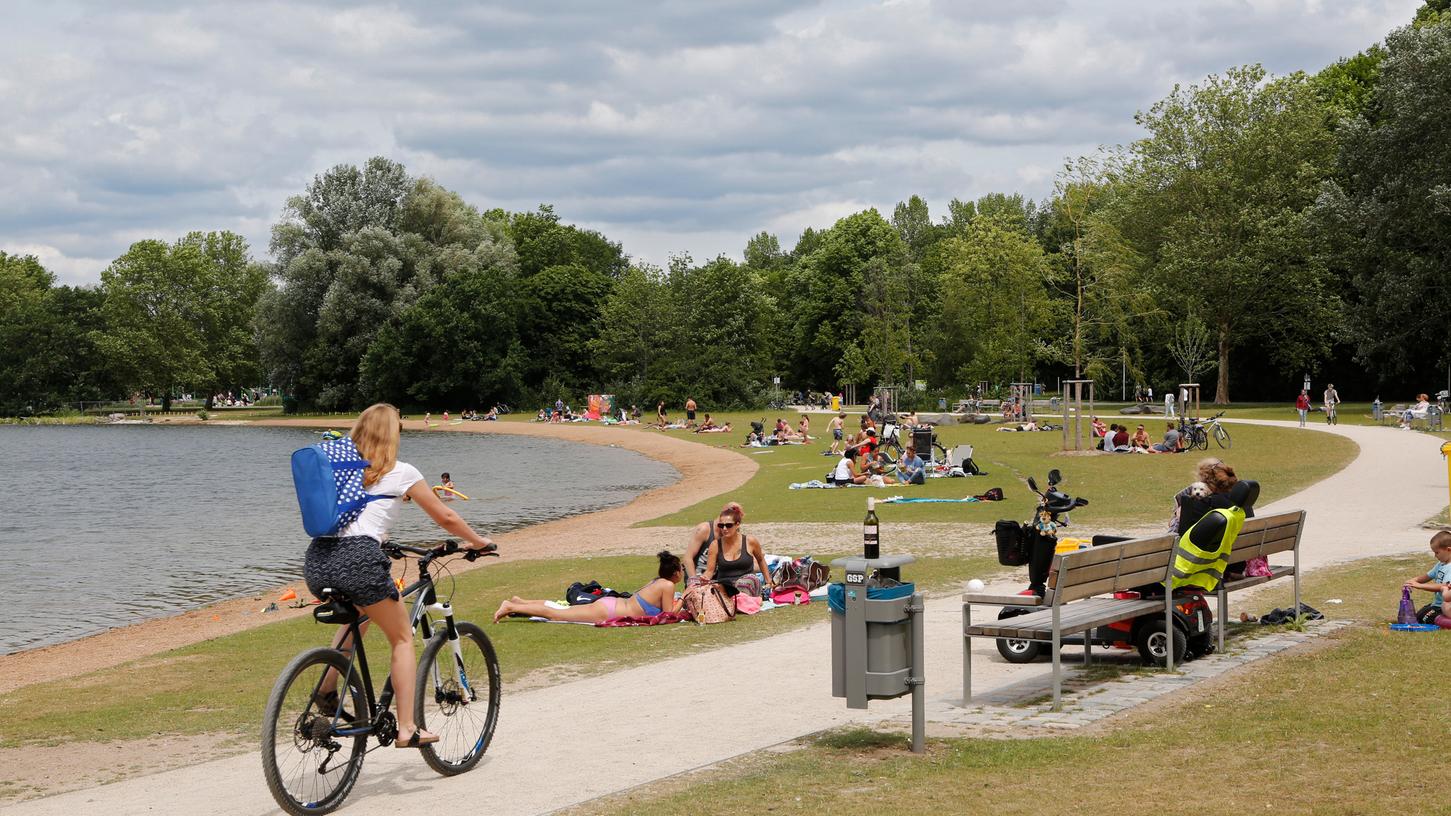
<point x="669" y="126"/>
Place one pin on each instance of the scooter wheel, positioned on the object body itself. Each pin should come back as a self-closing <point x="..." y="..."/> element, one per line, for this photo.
<point x="1019" y="651"/>
<point x="1154" y="646"/>
<point x="1201" y="646"/>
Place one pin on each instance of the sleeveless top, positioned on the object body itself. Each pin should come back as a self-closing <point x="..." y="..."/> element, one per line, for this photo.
<point x="702" y="558"/>
<point x="727" y="571"/>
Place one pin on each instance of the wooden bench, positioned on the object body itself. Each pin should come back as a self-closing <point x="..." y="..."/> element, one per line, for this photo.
<point x="1069" y="607"/>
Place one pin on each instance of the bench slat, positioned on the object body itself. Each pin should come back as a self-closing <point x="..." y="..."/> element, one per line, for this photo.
<point x="991" y="599"/>
<point x="1115" y="584"/>
<point x="1086" y="615"/>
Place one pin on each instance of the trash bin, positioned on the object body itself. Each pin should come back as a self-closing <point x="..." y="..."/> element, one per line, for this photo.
<point x="877" y="637"/>
<point x="836" y="402"/>
<point x="888" y="642"/>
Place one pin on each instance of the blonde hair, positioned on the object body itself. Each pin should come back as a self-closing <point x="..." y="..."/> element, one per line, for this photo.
<point x="375" y="434"/>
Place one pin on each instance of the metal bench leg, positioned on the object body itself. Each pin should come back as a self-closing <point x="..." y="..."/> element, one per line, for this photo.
<point x="1057" y="663"/>
<point x="1223" y="614"/>
<point x="1169" y="624"/>
<point x="1087" y="647"/>
<point x="966" y="654"/>
<point x="1297" y="576"/>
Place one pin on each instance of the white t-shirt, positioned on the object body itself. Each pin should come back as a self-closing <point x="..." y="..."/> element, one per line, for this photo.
<point x="378" y="516"/>
<point x="843" y="470"/>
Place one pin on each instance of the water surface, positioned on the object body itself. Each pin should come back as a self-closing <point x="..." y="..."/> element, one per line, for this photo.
<point x="105" y="526"/>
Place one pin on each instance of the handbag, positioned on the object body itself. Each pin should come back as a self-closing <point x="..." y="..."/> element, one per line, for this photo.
<point x="750" y="585"/>
<point x="708" y="603"/>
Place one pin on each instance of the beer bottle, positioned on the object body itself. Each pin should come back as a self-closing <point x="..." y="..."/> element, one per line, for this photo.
<point x="870" y="544"/>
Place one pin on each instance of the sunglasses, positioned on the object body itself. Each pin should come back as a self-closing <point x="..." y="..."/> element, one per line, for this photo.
<point x="724" y="525"/>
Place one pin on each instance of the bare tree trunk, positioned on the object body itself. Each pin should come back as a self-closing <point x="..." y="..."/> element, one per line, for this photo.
<point x="1221" y="388"/>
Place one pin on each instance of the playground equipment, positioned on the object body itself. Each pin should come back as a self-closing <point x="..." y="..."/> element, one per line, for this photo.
<point x="1073" y="417"/>
<point x="1021" y="394"/>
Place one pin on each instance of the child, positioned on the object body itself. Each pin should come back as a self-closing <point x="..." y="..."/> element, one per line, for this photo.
<point x="836" y="432"/>
<point x="444" y="490"/>
<point x="1436" y="580"/>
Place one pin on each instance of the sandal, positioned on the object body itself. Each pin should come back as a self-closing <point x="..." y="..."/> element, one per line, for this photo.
<point x="415" y="741"/>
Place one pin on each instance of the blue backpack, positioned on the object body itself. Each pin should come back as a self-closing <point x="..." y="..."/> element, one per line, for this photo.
<point x="328" y="478"/>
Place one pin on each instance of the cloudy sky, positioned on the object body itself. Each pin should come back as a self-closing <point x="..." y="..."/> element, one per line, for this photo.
<point x="684" y="125"/>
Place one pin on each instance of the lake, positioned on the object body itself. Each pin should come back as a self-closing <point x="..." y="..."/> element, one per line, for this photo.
<point x="105" y="526"/>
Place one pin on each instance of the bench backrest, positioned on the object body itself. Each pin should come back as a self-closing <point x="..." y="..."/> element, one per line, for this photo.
<point x="1110" y="568"/>
<point x="1129" y="564"/>
<point x="1267" y="535"/>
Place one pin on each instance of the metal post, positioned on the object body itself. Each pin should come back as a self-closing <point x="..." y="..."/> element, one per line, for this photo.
<point x="966" y="654"/>
<point x="918" y="677"/>
<point x="1057" y="664"/>
<point x="1223" y="613"/>
<point x="1169" y="623"/>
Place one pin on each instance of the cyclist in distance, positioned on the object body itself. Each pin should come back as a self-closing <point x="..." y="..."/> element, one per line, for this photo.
<point x="353" y="561"/>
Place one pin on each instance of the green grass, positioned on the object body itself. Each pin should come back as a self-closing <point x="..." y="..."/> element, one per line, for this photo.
<point x="1335" y="730"/>
<point x="221" y="685"/>
<point x="1124" y="490"/>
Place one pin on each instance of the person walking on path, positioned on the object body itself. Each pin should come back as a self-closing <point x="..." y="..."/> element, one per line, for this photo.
<point x="1302" y="404"/>
<point x="1332" y="400"/>
<point x="1169" y="404"/>
<point x="689" y="412"/>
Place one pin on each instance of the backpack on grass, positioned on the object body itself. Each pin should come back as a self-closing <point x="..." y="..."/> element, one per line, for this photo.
<point x="328" y="478"/>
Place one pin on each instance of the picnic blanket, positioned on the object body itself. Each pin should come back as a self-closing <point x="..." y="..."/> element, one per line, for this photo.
<point x="653" y="620"/>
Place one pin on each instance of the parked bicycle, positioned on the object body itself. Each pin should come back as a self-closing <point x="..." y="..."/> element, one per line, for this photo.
<point x="314" y="740"/>
<point x="1197" y="432"/>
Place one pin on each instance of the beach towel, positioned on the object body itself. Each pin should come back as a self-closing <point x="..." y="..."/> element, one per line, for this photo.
<point x="655" y="620"/>
<point x="926" y="500"/>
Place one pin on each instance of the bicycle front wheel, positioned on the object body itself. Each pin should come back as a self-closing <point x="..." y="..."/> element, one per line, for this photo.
<point x="457" y="698"/>
<point x="1221" y="436"/>
<point x="1201" y="439"/>
<point x="309" y="767"/>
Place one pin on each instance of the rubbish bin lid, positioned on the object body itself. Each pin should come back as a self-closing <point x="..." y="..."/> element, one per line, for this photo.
<point x="836" y="595"/>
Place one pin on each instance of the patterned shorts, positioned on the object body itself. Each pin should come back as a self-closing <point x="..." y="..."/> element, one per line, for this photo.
<point x="355" y="565"/>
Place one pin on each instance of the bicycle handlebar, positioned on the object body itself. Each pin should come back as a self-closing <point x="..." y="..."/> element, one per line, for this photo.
<point x="448" y="546"/>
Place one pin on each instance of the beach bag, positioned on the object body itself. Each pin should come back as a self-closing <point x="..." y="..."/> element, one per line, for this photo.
<point x="791" y="595"/>
<point x="708" y="603"/>
<point x="328" y="478"/>
<point x="1407" y="613"/>
<point x="992" y="494"/>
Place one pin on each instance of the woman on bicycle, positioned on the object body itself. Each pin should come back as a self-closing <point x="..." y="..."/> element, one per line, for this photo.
<point x="353" y="561"/>
<point x="655" y="598"/>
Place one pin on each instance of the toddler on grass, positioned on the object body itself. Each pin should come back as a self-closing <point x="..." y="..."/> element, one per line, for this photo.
<point x="1437" y="580"/>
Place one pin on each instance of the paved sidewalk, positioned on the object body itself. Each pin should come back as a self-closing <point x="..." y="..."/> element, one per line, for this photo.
<point x="537" y="763"/>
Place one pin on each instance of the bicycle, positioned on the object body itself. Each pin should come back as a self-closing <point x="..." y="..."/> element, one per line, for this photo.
<point x="1218" y="431"/>
<point x="312" y="778"/>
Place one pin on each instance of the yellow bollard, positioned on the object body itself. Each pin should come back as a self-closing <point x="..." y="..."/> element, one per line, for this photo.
<point x="1446" y="454"/>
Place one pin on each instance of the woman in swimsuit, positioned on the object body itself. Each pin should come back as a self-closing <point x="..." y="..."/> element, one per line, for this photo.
<point x="733" y="554"/>
<point x="652" y="599"/>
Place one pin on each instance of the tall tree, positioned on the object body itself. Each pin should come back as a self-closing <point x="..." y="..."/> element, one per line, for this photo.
<point x="995" y="304"/>
<point x="1386" y="222"/>
<point x="1217" y="201"/>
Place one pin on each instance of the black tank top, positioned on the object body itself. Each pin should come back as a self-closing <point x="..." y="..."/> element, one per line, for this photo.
<point x="727" y="571"/>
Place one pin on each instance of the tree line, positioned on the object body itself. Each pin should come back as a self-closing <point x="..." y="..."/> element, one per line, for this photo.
<point x="1262" y="228"/>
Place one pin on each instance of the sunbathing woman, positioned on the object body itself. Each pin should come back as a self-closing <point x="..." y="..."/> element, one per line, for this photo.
<point x="652" y="599"/>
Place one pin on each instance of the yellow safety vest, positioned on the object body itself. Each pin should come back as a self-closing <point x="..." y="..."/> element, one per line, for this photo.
<point x="1201" y="568"/>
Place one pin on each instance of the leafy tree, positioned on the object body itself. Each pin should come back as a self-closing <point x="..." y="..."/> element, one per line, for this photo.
<point x="542" y="241"/>
<point x="914" y="224"/>
<point x="155" y="317"/>
<point x="559" y="314"/>
<point x="638" y="326"/>
<point x="458" y="344"/>
<point x="1217" y="201"/>
<point x="995" y="304"/>
<point x="763" y="252"/>
<point x="1384" y="221"/>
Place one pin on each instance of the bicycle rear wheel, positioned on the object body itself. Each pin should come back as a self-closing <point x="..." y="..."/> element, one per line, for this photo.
<point x="1221" y="436"/>
<point x="458" y="699"/>
<point x="309" y="768"/>
<point x="1201" y="439"/>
